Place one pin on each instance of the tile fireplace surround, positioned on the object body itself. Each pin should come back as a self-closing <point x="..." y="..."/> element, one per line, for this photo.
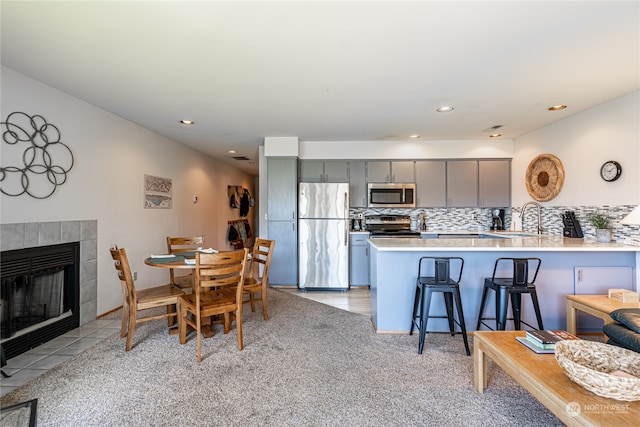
<point x="36" y="234"/>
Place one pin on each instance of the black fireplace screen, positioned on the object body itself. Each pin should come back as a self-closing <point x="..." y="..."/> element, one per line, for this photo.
<point x="40" y="295"/>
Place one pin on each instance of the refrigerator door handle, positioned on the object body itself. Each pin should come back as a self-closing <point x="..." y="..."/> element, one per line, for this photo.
<point x="346" y="219"/>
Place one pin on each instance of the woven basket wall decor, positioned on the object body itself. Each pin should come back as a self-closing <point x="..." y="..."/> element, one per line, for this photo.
<point x="544" y="177"/>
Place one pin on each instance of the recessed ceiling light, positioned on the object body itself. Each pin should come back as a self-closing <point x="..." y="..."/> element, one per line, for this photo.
<point x="232" y="151"/>
<point x="414" y="136"/>
<point x="557" y="107"/>
<point x="495" y="135"/>
<point x="187" y="122"/>
<point x="445" y="109"/>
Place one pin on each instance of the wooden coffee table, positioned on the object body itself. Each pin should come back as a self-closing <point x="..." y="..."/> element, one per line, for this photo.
<point x="541" y="376"/>
<point x="599" y="306"/>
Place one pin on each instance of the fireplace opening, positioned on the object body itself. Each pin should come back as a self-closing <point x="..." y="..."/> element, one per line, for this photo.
<point x="40" y="295"/>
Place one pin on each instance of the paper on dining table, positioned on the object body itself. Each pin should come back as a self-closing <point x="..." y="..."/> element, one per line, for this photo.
<point x="208" y="251"/>
<point x="162" y="256"/>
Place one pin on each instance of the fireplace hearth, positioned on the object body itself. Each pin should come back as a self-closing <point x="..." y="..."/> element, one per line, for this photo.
<point x="40" y="291"/>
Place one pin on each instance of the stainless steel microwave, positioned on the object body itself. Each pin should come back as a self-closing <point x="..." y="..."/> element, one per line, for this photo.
<point x="392" y="195"/>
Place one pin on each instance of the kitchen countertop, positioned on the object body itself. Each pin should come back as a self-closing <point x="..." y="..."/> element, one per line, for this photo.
<point x="515" y="242"/>
<point x="393" y="264"/>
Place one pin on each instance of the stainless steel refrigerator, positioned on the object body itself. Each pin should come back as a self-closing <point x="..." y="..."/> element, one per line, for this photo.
<point x="323" y="236"/>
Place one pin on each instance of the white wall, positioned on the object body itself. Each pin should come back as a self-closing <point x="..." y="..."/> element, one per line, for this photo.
<point x="583" y="142"/>
<point x="106" y="183"/>
<point x="406" y="149"/>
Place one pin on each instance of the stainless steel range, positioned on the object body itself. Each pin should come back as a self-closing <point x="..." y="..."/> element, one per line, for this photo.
<point x="390" y="226"/>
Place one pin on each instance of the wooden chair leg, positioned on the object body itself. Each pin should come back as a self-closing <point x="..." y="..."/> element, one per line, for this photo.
<point x="125" y="318"/>
<point x="252" y="297"/>
<point x="227" y="323"/>
<point x="171" y="319"/>
<point x="239" y="327"/>
<point x="132" y="328"/>
<point x="264" y="305"/>
<point x="182" y="322"/>
<point x="199" y="335"/>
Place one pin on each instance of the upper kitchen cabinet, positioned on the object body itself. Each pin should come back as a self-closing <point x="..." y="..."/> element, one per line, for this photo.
<point x="494" y="183"/>
<point x="311" y="170"/>
<point x="431" y="183"/>
<point x="282" y="189"/>
<point x="390" y="171"/>
<point x="462" y="183"/>
<point x="324" y="171"/>
<point x="357" y="184"/>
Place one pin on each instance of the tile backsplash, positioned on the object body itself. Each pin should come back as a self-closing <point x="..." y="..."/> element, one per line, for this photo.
<point x="476" y="219"/>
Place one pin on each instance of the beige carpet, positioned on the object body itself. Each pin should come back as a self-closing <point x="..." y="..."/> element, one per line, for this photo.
<point x="309" y="365"/>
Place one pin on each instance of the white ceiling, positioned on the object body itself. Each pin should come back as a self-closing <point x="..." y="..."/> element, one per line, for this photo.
<point x="328" y="71"/>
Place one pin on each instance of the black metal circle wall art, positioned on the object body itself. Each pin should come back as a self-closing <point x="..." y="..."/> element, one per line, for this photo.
<point x="45" y="160"/>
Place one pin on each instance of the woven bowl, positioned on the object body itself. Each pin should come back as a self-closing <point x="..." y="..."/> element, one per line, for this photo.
<point x="590" y="364"/>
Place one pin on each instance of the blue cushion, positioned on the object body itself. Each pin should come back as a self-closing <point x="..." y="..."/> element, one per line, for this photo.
<point x="622" y="337"/>
<point x="629" y="317"/>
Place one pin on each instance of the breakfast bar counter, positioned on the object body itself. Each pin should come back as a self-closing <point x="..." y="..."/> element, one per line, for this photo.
<point x="569" y="266"/>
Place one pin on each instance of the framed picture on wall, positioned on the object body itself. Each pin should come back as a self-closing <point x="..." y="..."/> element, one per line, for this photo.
<point x="157" y="192"/>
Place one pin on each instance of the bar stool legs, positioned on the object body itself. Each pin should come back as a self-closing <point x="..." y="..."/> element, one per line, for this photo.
<point x="512" y="289"/>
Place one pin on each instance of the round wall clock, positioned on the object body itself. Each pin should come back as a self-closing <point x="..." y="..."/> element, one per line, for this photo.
<point x="544" y="177"/>
<point x="610" y="170"/>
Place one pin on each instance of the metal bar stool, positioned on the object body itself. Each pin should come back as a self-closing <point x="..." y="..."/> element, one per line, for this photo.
<point x="512" y="287"/>
<point x="440" y="281"/>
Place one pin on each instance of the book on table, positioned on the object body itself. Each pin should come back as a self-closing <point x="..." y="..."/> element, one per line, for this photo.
<point x="549" y="337"/>
<point x="544" y="341"/>
<point x="536" y="348"/>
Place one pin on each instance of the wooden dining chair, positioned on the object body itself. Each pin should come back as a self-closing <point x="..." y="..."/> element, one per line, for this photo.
<point x="256" y="280"/>
<point x="218" y="290"/>
<point x="134" y="301"/>
<point x="177" y="245"/>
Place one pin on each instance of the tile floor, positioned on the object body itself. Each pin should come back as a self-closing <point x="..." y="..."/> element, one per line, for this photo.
<point x="356" y="300"/>
<point x="37" y="361"/>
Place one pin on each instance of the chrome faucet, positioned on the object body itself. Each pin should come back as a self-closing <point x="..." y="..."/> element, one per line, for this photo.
<point x="537" y="205"/>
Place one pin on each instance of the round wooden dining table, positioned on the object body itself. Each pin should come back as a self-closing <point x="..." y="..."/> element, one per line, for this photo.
<point x="170" y="261"/>
<point x="179" y="262"/>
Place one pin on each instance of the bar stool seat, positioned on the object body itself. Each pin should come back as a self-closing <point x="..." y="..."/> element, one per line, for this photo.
<point x="439" y="281"/>
<point x="511" y="288"/>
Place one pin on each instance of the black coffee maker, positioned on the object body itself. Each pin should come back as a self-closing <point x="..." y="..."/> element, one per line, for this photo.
<point x="497" y="219"/>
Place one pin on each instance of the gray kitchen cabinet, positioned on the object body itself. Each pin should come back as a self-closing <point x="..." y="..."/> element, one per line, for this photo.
<point x="390" y="171"/>
<point x="336" y="171"/>
<point x="379" y="171"/>
<point x="431" y="183"/>
<point x="359" y="259"/>
<point x="311" y="170"/>
<point x="282" y="202"/>
<point x="282" y="189"/>
<point x="494" y="183"/>
<point x="324" y="171"/>
<point x="357" y="184"/>
<point x="462" y="183"/>
<point x="284" y="261"/>
<point x="402" y="171"/>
